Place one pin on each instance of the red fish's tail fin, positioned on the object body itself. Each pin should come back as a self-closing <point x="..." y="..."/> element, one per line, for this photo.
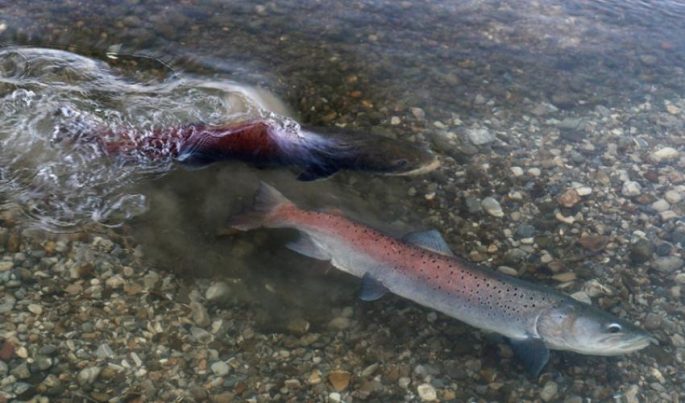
<point x="268" y="210"/>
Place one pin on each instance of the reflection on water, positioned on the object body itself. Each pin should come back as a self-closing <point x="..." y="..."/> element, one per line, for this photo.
<point x="50" y="98"/>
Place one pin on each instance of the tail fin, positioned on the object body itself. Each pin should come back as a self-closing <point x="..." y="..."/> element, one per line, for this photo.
<point x="268" y="202"/>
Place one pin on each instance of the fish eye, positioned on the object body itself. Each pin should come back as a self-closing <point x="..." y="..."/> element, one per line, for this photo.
<point x="614" y="328"/>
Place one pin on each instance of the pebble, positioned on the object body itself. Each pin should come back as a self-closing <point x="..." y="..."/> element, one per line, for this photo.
<point x="104" y="351"/>
<point x="680" y="278"/>
<point x="517" y="171"/>
<point x="395" y="120"/>
<point x="549" y="391"/>
<point x="569" y="198"/>
<point x="340" y="323"/>
<point x="427" y="392"/>
<point x="88" y="375"/>
<point x="641" y="251"/>
<point x="6" y="265"/>
<point x="665" y="154"/>
<point x="673" y="197"/>
<point x="661" y="205"/>
<point x="564" y="277"/>
<point x="418" y="113"/>
<point x="218" y="291"/>
<point x="534" y="172"/>
<point x="220" y="368"/>
<point x="35" y="309"/>
<point x="115" y="282"/>
<point x="339" y="379"/>
<point x="334" y="397"/>
<point x="631" y="189"/>
<point x="480" y="136"/>
<point x="21" y="371"/>
<point x="668" y="264"/>
<point x="492" y="207"/>
<point x="4" y="369"/>
<point x="199" y="314"/>
<point x="404" y="382"/>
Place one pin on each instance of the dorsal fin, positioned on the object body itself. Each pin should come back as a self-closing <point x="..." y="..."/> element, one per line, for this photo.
<point x="431" y="240"/>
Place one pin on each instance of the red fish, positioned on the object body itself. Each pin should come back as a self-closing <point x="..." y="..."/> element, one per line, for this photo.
<point x="265" y="143"/>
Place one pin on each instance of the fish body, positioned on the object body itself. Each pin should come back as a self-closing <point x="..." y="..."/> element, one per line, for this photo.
<point x="266" y="143"/>
<point x="422" y="269"/>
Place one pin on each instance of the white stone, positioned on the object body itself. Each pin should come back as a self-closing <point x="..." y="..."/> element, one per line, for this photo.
<point x="665" y="154"/>
<point x="534" y="172"/>
<point x="549" y="391"/>
<point x="584" y="190"/>
<point x="480" y="136"/>
<point x="517" y="171"/>
<point x="671" y="196"/>
<point x="631" y="188"/>
<point x="88" y="375"/>
<point x="492" y="207"/>
<point x="115" y="282"/>
<point x="334" y="397"/>
<point x="220" y="368"/>
<point x="395" y="120"/>
<point x="35" y="309"/>
<point x="661" y="205"/>
<point x="427" y="392"/>
<point x="217" y="291"/>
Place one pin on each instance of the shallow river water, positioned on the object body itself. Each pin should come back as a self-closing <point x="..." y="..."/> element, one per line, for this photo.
<point x="559" y="125"/>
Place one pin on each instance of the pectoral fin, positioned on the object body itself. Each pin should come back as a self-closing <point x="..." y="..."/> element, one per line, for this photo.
<point x="372" y="289"/>
<point x="532" y="352"/>
<point x="431" y="240"/>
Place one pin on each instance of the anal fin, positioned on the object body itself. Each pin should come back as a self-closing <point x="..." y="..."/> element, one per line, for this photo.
<point x="532" y="352"/>
<point x="306" y="246"/>
<point x="372" y="289"/>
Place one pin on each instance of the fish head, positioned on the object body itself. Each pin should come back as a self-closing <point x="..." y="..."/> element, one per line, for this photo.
<point x="578" y="327"/>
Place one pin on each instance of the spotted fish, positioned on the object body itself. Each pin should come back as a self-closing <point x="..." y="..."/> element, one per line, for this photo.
<point x="422" y="268"/>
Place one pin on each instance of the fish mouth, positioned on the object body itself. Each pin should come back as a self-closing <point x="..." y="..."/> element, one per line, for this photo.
<point x="629" y="345"/>
<point x="425" y="168"/>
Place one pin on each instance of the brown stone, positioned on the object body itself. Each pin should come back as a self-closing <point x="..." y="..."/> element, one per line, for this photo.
<point x="339" y="379"/>
<point x="593" y="243"/>
<point x="569" y="198"/>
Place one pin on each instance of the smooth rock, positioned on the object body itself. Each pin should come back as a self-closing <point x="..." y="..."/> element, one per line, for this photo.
<point x="6" y="265"/>
<point x="631" y="189"/>
<point x="569" y="198"/>
<point x="665" y="154"/>
<point x="427" y="392"/>
<point x="199" y="314"/>
<point x="492" y="207"/>
<point x="661" y="205"/>
<point x="673" y="197"/>
<point x="339" y="379"/>
<point x="516" y="171"/>
<point x="641" y="251"/>
<point x="220" y="368"/>
<point x="88" y="375"/>
<point x="668" y="264"/>
<point x="479" y="136"/>
<point x="218" y="291"/>
<point x="104" y="351"/>
<point x="21" y="371"/>
<point x="549" y="391"/>
<point x="35" y="309"/>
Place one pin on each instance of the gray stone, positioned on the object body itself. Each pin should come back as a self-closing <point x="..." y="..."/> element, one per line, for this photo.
<point x="549" y="391"/>
<point x="4" y="369"/>
<point x="218" y="291"/>
<point x="492" y="207"/>
<point x="220" y="368"/>
<point x="668" y="264"/>
<point x="88" y="375"/>
<point x="21" y="371"/>
<point x="480" y="136"/>
<point x="104" y="351"/>
<point x="641" y="251"/>
<point x="199" y="314"/>
<point x="631" y="189"/>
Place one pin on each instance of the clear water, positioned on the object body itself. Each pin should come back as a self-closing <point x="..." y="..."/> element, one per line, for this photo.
<point x="511" y="66"/>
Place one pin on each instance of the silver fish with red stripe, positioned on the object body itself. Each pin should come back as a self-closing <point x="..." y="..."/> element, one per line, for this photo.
<point x="421" y="268"/>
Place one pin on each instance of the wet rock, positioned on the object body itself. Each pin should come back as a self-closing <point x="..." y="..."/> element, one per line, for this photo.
<point x="292" y="384"/>
<point x="667" y="264"/>
<point x="526" y="231"/>
<point x="673" y="196"/>
<point x="473" y="205"/>
<point x="418" y="113"/>
<point x="665" y="154"/>
<point x="334" y="397"/>
<point x="104" y="351"/>
<point x="492" y="207"/>
<point x="663" y="249"/>
<point x="218" y="291"/>
<point x="641" y="251"/>
<point x="549" y="391"/>
<point x="593" y="243"/>
<point x="340" y="323"/>
<point x="220" y="368"/>
<point x="631" y="189"/>
<point x="569" y="198"/>
<point x="652" y="321"/>
<point x="115" y="282"/>
<point x="21" y="371"/>
<point x="6" y="265"/>
<point x="4" y="369"/>
<point x="661" y="205"/>
<point x="41" y="363"/>
<point x="427" y="392"/>
<point x="480" y="136"/>
<point x="88" y="375"/>
<point x="339" y="379"/>
<point x="199" y="314"/>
